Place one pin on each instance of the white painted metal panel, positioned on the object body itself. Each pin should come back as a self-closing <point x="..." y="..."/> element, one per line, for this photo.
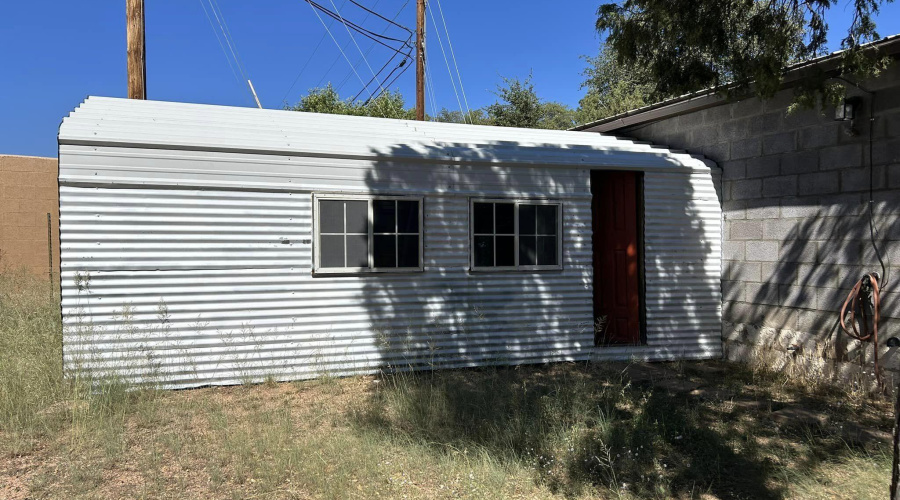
<point x="194" y="226"/>
<point x="194" y="287"/>
<point x="683" y="266"/>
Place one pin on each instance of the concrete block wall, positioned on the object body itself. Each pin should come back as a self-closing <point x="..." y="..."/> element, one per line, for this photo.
<point x="796" y="200"/>
<point x="28" y="192"/>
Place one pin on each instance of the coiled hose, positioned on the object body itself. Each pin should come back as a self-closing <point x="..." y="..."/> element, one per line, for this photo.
<point x="867" y="285"/>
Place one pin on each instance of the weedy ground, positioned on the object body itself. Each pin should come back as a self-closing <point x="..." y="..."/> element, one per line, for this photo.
<point x="563" y="430"/>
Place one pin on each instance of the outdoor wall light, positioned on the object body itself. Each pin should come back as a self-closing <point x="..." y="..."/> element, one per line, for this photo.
<point x="847" y="109"/>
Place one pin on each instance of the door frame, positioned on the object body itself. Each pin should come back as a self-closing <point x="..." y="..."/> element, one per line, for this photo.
<point x="642" y="281"/>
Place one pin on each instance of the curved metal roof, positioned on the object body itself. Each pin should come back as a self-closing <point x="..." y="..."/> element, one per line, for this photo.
<point x="168" y="125"/>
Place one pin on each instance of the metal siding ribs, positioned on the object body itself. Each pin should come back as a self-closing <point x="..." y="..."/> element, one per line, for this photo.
<point x="194" y="225"/>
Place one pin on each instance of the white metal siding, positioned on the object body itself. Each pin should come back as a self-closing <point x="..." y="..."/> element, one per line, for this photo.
<point x="194" y="287"/>
<point x="194" y="226"/>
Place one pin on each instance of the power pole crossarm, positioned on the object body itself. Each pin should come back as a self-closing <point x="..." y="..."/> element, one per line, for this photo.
<point x="420" y="60"/>
<point x="137" y="61"/>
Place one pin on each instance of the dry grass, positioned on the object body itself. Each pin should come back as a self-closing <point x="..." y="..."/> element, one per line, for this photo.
<point x="566" y="430"/>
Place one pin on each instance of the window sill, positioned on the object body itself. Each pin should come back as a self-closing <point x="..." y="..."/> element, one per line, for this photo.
<point x="365" y="272"/>
<point x="491" y="270"/>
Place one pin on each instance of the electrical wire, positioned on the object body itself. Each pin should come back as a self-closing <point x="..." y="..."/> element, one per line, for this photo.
<point x="335" y="42"/>
<point x="214" y="4"/>
<point x="243" y="79"/>
<point x="453" y="55"/>
<point x="401" y="64"/>
<point x="308" y="59"/>
<point x="365" y="32"/>
<point x="447" y="62"/>
<point x="358" y="47"/>
<point x="429" y="84"/>
<point x="391" y="21"/>
<point x="372" y="46"/>
<point x="377" y="37"/>
<point x="237" y="79"/>
<point x="872" y="231"/>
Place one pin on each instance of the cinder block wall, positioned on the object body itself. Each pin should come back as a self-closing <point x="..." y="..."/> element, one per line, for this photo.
<point x="796" y="191"/>
<point x="28" y="192"/>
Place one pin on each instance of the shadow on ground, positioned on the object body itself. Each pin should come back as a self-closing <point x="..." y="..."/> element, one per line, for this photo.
<point x="657" y="432"/>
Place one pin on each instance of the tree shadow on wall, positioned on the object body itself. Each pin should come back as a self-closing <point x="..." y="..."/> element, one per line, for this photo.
<point x="450" y="317"/>
<point x="825" y="250"/>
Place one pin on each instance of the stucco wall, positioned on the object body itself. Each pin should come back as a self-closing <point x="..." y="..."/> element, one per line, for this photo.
<point x="28" y="192"/>
<point x="795" y="196"/>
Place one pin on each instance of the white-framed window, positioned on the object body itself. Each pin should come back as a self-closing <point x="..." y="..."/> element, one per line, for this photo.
<point x="515" y="235"/>
<point x="361" y="234"/>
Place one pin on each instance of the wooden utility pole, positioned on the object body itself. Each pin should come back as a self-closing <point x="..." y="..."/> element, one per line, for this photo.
<point x="137" y="60"/>
<point x="420" y="60"/>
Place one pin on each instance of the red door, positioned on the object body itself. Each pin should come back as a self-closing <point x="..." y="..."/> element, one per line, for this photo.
<point x="616" y="276"/>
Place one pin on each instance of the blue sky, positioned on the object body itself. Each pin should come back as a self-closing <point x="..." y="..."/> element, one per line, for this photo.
<point x="53" y="53"/>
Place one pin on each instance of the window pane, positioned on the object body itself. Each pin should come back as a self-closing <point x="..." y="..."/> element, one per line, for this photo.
<point x="506" y="251"/>
<point x="546" y="251"/>
<point x="384" y="212"/>
<point x="357" y="216"/>
<point x="385" y="250"/>
<point x="546" y="219"/>
<point x="407" y="216"/>
<point x="527" y="251"/>
<point x="408" y="250"/>
<point x="331" y="251"/>
<point x="505" y="218"/>
<point x="331" y="216"/>
<point x="484" y="251"/>
<point x="357" y="250"/>
<point x="526" y="219"/>
<point x="484" y="218"/>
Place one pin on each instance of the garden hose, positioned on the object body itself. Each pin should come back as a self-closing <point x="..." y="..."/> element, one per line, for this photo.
<point x="869" y="284"/>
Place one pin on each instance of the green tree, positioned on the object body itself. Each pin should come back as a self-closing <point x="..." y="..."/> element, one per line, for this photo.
<point x="520" y="106"/>
<point x="557" y="116"/>
<point x="686" y="45"/>
<point x="388" y="104"/>
<point x="611" y="88"/>
<point x="473" y="117"/>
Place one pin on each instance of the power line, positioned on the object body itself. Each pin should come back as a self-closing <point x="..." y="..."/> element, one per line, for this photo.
<point x="335" y="42"/>
<point x="377" y="37"/>
<point x="359" y="29"/>
<point x="447" y="62"/>
<point x="214" y="4"/>
<point x="237" y="79"/>
<point x="400" y="65"/>
<point x="357" y="46"/>
<point x="429" y="84"/>
<point x="453" y="55"/>
<point x="391" y="21"/>
<point x="372" y="46"/>
<point x="407" y="55"/>
<point x="316" y="49"/>
<point x="222" y="46"/>
<point x="366" y="60"/>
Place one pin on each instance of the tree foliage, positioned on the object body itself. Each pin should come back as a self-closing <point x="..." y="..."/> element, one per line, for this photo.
<point x="518" y="105"/>
<point x="687" y="45"/>
<point x="611" y="88"/>
<point x="326" y="100"/>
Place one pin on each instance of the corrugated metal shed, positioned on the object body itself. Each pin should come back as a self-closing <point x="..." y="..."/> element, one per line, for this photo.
<point x="193" y="224"/>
